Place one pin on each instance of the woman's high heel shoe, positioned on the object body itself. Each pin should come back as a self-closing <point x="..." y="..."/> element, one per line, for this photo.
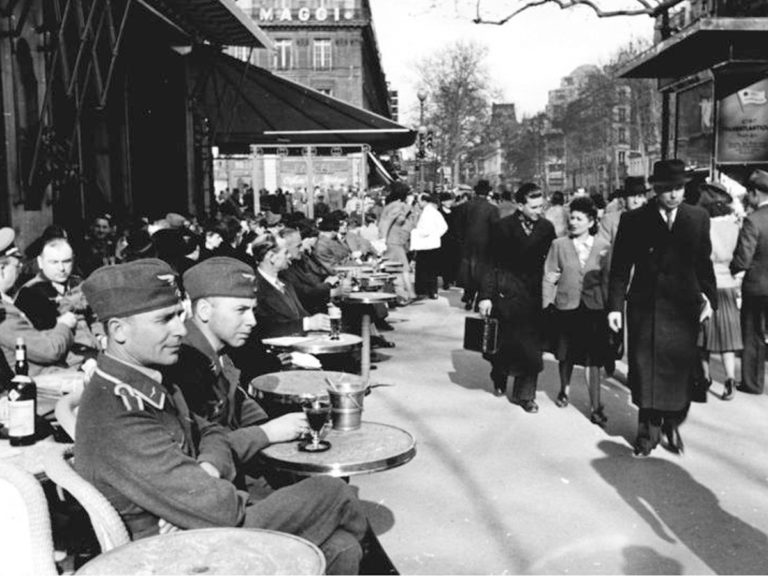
<point x="562" y="400"/>
<point x="728" y="390"/>
<point x="598" y="417"/>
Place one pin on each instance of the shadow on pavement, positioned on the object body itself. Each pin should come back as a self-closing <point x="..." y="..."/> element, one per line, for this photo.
<point x="645" y="560"/>
<point x="476" y="490"/>
<point x="381" y="518"/>
<point x="678" y="508"/>
<point x="470" y="371"/>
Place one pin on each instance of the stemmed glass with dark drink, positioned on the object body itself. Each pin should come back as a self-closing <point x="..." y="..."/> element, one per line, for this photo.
<point x="318" y="413"/>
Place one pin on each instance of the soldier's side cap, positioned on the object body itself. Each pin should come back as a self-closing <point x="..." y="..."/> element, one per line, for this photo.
<point x="758" y="180"/>
<point x="132" y="288"/>
<point x="220" y="276"/>
<point x="7" y="243"/>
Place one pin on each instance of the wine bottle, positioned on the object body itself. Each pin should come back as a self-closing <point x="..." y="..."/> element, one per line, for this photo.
<point x="22" y="401"/>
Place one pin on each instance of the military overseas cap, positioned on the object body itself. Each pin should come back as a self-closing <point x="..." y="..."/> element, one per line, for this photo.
<point x="220" y="276"/>
<point x="7" y="243"/>
<point x="132" y="288"/>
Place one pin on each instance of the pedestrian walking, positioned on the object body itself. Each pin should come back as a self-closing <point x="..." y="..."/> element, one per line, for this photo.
<point x="751" y="257"/>
<point x="632" y="196"/>
<point x="673" y="289"/>
<point x="395" y="224"/>
<point x="425" y="242"/>
<point x="722" y="334"/>
<point x="576" y="285"/>
<point x="479" y="218"/>
<point x="511" y="292"/>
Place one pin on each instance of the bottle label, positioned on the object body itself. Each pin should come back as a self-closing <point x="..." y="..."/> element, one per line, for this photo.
<point x="4" y="410"/>
<point x="21" y="418"/>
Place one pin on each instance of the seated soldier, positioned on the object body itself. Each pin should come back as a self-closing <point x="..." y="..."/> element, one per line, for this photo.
<point x="160" y="465"/>
<point x="46" y="349"/>
<point x="278" y="309"/>
<point x="223" y="295"/>
<point x="313" y="285"/>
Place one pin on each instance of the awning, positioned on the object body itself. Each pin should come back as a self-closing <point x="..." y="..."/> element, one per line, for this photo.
<point x="379" y="169"/>
<point x="247" y="105"/>
<point x="708" y="43"/>
<point x="220" y="22"/>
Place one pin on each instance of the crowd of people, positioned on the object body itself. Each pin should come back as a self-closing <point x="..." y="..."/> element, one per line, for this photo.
<point x="168" y="317"/>
<point x="675" y="270"/>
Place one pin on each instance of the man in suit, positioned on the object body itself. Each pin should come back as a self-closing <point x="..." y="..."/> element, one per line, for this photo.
<point x="479" y="219"/>
<point x="672" y="290"/>
<point x="511" y="291"/>
<point x="279" y="311"/>
<point x="751" y="257"/>
<point x="313" y="284"/>
<point x="161" y="465"/>
<point x="47" y="349"/>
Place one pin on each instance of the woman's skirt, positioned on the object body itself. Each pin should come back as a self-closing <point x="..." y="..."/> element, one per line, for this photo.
<point x="723" y="331"/>
<point x="581" y="336"/>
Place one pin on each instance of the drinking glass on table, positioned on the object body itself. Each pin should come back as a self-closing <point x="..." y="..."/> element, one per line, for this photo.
<point x="318" y="413"/>
<point x="334" y="313"/>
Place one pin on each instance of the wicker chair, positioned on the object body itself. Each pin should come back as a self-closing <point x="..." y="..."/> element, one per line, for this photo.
<point x="26" y="524"/>
<point x="107" y="524"/>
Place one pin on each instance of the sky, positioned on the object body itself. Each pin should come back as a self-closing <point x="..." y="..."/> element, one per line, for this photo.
<point x="527" y="56"/>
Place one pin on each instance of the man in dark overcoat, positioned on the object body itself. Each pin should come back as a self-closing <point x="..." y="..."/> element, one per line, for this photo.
<point x="751" y="257"/>
<point x="672" y="290"/>
<point x="511" y="292"/>
<point x="479" y="217"/>
<point x="158" y="463"/>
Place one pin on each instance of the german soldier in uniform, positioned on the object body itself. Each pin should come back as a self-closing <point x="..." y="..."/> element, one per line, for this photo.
<point x="156" y="462"/>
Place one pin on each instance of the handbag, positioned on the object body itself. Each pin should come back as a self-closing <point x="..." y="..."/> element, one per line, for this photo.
<point x="481" y="335"/>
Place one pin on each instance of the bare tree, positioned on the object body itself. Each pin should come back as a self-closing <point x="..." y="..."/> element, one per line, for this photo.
<point x="459" y="95"/>
<point x="601" y="8"/>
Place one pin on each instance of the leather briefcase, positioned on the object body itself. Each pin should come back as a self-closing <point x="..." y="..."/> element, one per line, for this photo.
<point x="481" y="335"/>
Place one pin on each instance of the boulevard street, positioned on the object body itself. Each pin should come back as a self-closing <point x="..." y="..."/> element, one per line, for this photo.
<point x="495" y="490"/>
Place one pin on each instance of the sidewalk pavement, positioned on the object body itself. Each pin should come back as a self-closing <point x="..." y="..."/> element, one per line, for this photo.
<point x="494" y="490"/>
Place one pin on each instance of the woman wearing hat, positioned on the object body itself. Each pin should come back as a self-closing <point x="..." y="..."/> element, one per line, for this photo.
<point x="722" y="334"/>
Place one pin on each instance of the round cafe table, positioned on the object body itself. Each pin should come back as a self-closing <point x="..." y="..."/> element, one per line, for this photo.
<point x="290" y="387"/>
<point x="212" y="551"/>
<point x="371" y="448"/>
<point x="316" y="343"/>
<point x="353" y="268"/>
<point x="368" y="298"/>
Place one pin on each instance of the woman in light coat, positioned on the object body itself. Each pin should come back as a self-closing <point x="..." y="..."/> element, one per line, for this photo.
<point x="425" y="242"/>
<point x="576" y="283"/>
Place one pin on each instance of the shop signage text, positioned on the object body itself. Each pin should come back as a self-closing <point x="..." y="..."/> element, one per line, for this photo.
<point x="743" y="125"/>
<point x="304" y="14"/>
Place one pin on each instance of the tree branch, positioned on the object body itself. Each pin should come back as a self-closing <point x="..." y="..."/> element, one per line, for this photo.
<point x="646" y="9"/>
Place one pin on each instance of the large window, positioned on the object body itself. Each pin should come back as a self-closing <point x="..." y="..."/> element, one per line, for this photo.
<point x="322" y="51"/>
<point x="622" y="135"/>
<point x="283" y="55"/>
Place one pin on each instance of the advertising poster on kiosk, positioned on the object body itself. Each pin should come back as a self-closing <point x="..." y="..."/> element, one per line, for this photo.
<point x="742" y="128"/>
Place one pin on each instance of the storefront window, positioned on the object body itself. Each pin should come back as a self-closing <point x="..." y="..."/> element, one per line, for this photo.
<point x="695" y="125"/>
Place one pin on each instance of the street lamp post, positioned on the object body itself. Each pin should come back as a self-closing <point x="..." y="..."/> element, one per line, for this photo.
<point x="422" y="96"/>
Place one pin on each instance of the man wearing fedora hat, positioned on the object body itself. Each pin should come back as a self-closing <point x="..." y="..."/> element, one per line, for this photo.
<point x="633" y="195"/>
<point x="751" y="258"/>
<point x="667" y="243"/>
